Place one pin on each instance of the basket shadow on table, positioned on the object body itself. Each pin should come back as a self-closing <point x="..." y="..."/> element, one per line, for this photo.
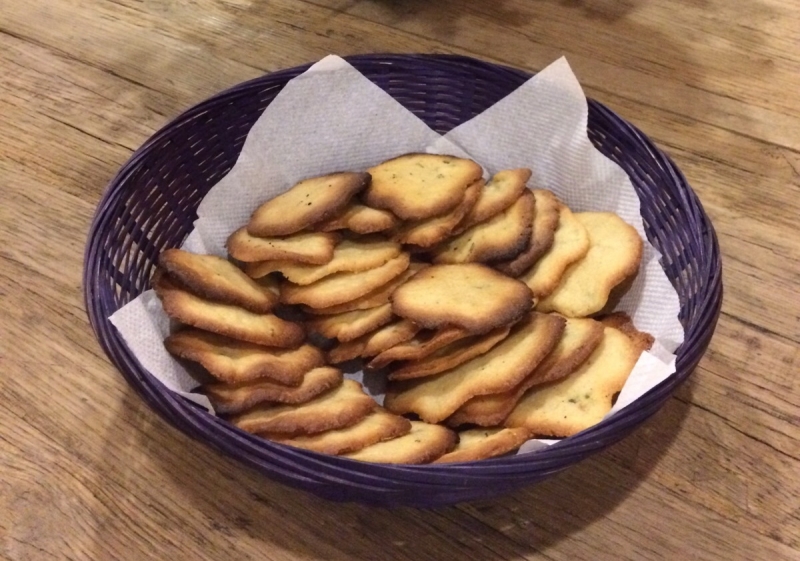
<point x="241" y="504"/>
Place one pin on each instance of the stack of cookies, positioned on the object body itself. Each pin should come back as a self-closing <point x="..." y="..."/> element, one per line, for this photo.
<point x="484" y="303"/>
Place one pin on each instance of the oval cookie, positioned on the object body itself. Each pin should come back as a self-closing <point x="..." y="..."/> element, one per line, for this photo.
<point x="376" y="427"/>
<point x="420" y="186"/>
<point x="434" y="230"/>
<point x="480" y="444"/>
<point x="232" y="321"/>
<point x="234" y="361"/>
<point x="234" y="398"/>
<point x="217" y="279"/>
<point x="344" y="287"/>
<point x="340" y="407"/>
<point x="351" y="325"/>
<point x="351" y="256"/>
<point x="423" y="444"/>
<point x="500" y="238"/>
<point x="471" y="296"/>
<point x="435" y="398"/>
<point x="419" y="346"/>
<point x="578" y="341"/>
<point x="500" y="192"/>
<point x="306" y="247"/>
<point x="570" y="243"/>
<point x="374" y="343"/>
<point x="359" y="219"/>
<point x="545" y="221"/>
<point x="450" y="356"/>
<point x="308" y="202"/>
<point x="614" y="255"/>
<point x="583" y="398"/>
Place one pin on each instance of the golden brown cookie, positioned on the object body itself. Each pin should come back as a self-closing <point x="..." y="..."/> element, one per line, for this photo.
<point x="351" y="325"/>
<point x="483" y="443"/>
<point x="235" y="398"/>
<point x="420" y="186"/>
<point x="344" y="287"/>
<point x="570" y="244"/>
<point x="377" y="297"/>
<point x="545" y="221"/>
<point x="471" y="296"/>
<point x="224" y="319"/>
<point x="423" y="444"/>
<point x="359" y="219"/>
<point x="427" y="233"/>
<point x="502" y="190"/>
<point x="418" y="347"/>
<point x="623" y="322"/>
<point x="500" y="238"/>
<point x="349" y="256"/>
<point x="579" y="340"/>
<point x="315" y="248"/>
<point x="378" y="426"/>
<point x="614" y="255"/>
<point x="306" y="203"/>
<point x="216" y="279"/>
<point x="583" y="398"/>
<point x="374" y="343"/>
<point x="450" y="356"/>
<point x="435" y="398"/>
<point x="343" y="406"/>
<point x="233" y="361"/>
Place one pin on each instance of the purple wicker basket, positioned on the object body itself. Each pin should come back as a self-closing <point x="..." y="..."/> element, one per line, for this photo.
<point x="151" y="204"/>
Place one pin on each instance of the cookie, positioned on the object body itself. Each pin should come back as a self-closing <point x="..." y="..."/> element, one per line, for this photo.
<point x="623" y="322"/>
<point x="344" y="287"/>
<point x="570" y="244"/>
<point x="420" y="186"/>
<point x="502" y="190"/>
<point x="349" y="256"/>
<point x="435" y="398"/>
<point x="343" y="406"/>
<point x="233" y="361"/>
<point x="351" y="325"/>
<point x="450" y="356"/>
<point x="578" y="341"/>
<point x="423" y="444"/>
<point x="377" y="297"/>
<point x="581" y="400"/>
<point x="306" y="203"/>
<point x="614" y="255"/>
<point x="216" y="279"/>
<point x="313" y="248"/>
<point x="545" y="221"/>
<point x="374" y="343"/>
<point x="224" y="319"/>
<point x="500" y="238"/>
<point x="376" y="427"/>
<point x="480" y="444"/>
<point x="418" y="347"/>
<point x="235" y="398"/>
<point x="471" y="296"/>
<point x="432" y="231"/>
<point x="359" y="219"/>
<point x="270" y="284"/>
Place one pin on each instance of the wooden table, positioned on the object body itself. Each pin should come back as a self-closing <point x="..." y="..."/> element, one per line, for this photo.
<point x="88" y="472"/>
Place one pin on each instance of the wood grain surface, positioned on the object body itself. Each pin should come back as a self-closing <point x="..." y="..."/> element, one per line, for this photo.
<point x="87" y="471"/>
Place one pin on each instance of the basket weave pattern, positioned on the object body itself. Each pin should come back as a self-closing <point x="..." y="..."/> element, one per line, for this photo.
<point x="151" y="205"/>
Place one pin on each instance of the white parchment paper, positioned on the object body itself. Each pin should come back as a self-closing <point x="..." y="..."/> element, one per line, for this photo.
<point x="333" y="118"/>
